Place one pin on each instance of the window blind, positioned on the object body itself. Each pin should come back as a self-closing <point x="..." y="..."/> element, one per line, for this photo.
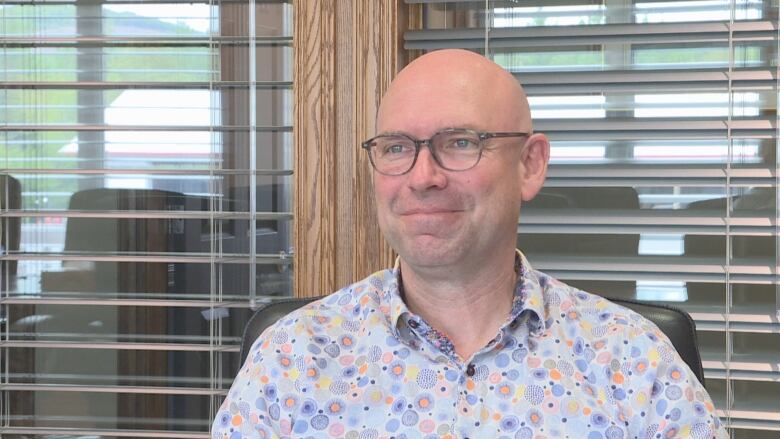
<point x="663" y="182"/>
<point x="145" y="207"/>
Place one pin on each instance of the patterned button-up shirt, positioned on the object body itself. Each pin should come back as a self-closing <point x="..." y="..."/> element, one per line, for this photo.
<point x="565" y="364"/>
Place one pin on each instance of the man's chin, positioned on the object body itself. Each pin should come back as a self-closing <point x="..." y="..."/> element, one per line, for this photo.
<point x="430" y="251"/>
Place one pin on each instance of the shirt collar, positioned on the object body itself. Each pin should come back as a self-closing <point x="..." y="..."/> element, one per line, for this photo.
<point x="392" y="297"/>
<point x="529" y="296"/>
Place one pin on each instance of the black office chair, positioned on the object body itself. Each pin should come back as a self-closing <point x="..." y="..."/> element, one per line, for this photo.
<point x="10" y="227"/>
<point x="675" y="323"/>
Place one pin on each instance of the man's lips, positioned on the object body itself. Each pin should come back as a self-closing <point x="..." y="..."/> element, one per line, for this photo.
<point x="428" y="211"/>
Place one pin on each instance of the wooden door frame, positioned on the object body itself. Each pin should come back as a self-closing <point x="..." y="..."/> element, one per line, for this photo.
<point x="346" y="52"/>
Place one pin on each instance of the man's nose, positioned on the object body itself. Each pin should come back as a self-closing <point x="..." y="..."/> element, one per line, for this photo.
<point x="426" y="173"/>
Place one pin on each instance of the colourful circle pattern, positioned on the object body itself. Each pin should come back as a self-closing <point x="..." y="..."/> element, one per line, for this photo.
<point x="357" y="364"/>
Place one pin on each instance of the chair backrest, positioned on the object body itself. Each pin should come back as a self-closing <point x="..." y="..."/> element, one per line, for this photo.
<point x="10" y="227"/>
<point x="674" y="322"/>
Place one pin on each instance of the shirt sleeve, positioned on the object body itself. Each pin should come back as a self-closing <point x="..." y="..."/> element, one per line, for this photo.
<point x="664" y="394"/>
<point x="250" y="409"/>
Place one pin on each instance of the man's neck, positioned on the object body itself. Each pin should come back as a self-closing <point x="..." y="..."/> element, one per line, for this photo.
<point x="469" y="308"/>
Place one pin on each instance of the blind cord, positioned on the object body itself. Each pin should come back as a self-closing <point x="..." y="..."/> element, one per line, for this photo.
<point x="729" y="158"/>
<point x="488" y="22"/>
<point x="214" y="364"/>
<point x="776" y="166"/>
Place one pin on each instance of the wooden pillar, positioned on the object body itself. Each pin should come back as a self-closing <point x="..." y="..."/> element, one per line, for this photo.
<point x="346" y="53"/>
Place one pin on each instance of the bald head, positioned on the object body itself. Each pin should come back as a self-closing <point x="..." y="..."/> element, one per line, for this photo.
<point x="454" y="88"/>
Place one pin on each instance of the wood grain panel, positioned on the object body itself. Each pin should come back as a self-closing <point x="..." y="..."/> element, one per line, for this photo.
<point x="346" y="53"/>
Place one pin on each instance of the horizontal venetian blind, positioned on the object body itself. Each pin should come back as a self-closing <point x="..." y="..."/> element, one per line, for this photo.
<point x="663" y="179"/>
<point x="145" y="207"/>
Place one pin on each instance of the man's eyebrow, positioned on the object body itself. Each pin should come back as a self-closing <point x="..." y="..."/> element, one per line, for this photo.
<point x="390" y="133"/>
<point x="464" y="127"/>
<point x="445" y="128"/>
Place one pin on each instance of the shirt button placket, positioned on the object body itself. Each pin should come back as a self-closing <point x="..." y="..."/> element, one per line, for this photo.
<point x="463" y="426"/>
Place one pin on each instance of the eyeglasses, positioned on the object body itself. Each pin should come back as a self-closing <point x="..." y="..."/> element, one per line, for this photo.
<point x="455" y="149"/>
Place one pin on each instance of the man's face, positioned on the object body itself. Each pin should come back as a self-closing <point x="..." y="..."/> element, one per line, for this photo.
<point x="435" y="217"/>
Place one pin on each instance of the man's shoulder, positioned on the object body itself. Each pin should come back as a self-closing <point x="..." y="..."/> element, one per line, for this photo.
<point x="599" y="328"/>
<point x="345" y="311"/>
<point x="596" y="315"/>
<point x="349" y="302"/>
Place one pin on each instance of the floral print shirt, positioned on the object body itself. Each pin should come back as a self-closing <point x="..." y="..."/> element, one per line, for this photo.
<point x="566" y="364"/>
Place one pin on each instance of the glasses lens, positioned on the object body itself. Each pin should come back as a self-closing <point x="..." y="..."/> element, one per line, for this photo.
<point x="457" y="149"/>
<point x="392" y="154"/>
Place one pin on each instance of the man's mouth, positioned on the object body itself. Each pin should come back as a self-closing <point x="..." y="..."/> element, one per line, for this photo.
<point x="427" y="211"/>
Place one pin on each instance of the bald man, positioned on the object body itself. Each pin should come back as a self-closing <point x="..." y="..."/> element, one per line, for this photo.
<point x="462" y="338"/>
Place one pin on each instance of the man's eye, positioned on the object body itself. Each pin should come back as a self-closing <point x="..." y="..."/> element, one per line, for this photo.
<point x="463" y="144"/>
<point x="395" y="148"/>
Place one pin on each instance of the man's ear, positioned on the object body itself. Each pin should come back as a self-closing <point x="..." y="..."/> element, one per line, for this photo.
<point x="533" y="159"/>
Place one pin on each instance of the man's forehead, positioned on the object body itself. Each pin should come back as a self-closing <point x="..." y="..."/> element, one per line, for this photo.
<point x="425" y="110"/>
<point x="434" y="104"/>
<point x="465" y="84"/>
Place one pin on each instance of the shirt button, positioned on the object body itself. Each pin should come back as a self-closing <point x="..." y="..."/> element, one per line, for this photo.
<point x="470" y="371"/>
<point x="413" y="324"/>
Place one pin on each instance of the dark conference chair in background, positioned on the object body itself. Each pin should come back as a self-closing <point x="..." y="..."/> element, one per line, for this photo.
<point x="10" y="239"/>
<point x="10" y="227"/>
<point x="675" y="323"/>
